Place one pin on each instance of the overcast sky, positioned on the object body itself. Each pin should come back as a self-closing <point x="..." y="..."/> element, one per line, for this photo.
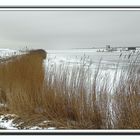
<point x="69" y="29"/>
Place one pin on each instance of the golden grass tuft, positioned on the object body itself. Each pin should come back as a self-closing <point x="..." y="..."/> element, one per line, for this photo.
<point x="21" y="79"/>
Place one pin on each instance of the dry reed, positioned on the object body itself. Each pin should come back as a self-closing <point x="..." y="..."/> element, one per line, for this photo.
<point x="69" y="97"/>
<point x="21" y="79"/>
<point x="126" y="99"/>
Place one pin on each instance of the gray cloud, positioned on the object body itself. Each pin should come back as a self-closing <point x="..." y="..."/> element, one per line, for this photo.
<point x="69" y="29"/>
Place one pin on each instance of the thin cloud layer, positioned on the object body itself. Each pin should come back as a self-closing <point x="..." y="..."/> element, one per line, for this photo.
<point x="69" y="29"/>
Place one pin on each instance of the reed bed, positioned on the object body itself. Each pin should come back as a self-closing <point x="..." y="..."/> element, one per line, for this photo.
<point x="70" y="97"/>
<point x="21" y="81"/>
<point x="73" y="99"/>
<point x="126" y="99"/>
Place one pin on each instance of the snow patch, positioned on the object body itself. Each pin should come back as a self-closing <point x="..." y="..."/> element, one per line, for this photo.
<point x="6" y="123"/>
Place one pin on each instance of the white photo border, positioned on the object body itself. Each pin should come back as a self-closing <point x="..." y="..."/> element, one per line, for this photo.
<point x="72" y="131"/>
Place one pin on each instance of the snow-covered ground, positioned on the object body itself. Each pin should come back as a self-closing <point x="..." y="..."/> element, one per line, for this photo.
<point x="4" y="53"/>
<point x="7" y="122"/>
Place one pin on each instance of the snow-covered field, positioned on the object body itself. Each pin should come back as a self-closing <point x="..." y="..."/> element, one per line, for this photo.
<point x="90" y="57"/>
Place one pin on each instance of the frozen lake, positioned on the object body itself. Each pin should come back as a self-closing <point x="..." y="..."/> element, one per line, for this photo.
<point x="109" y="60"/>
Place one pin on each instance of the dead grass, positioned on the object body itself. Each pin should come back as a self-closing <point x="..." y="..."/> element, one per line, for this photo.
<point x="21" y="79"/>
<point x="126" y="101"/>
<point x="68" y="102"/>
<point x="67" y="96"/>
<point x="60" y="96"/>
